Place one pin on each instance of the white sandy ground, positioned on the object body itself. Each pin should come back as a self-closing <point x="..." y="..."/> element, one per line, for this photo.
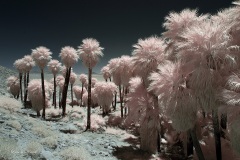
<point x="18" y="131"/>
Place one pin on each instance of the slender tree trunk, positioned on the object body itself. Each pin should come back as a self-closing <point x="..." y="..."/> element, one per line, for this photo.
<point x="89" y="99"/>
<point x="120" y="96"/>
<point x="106" y="80"/>
<point x="81" y="95"/>
<point x="189" y="144"/>
<point x="115" y="102"/>
<point x="72" y="94"/>
<point x="65" y="90"/>
<point x="110" y="79"/>
<point x="20" y="81"/>
<point x="224" y="121"/>
<point x="55" y="92"/>
<point x="43" y="94"/>
<point x="38" y="114"/>
<point x="125" y="94"/>
<point x="196" y="144"/>
<point x="26" y="90"/>
<point x="217" y="135"/>
<point x="59" y="99"/>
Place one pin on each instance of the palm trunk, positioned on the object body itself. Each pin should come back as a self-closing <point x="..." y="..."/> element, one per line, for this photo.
<point x="72" y="94"/>
<point x="224" y="121"/>
<point x="189" y="144"/>
<point x="196" y="144"/>
<point x="81" y="95"/>
<point x="106" y="80"/>
<point x="115" y="101"/>
<point x="125" y="94"/>
<point x="20" y="81"/>
<point x="59" y="99"/>
<point x="26" y="79"/>
<point x="55" y="92"/>
<point x="217" y="135"/>
<point x="65" y="90"/>
<point x="120" y="96"/>
<point x="43" y="94"/>
<point x="110" y="79"/>
<point x="89" y="99"/>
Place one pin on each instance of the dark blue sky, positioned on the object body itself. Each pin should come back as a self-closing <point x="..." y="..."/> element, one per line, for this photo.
<point x="116" y="24"/>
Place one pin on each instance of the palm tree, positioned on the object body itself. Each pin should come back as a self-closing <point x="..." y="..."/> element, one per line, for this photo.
<point x="83" y="80"/>
<point x="115" y="72"/>
<point x="60" y="83"/>
<point x="89" y="52"/>
<point x="41" y="56"/>
<point x="54" y="66"/>
<point x="73" y="78"/>
<point x="106" y="73"/>
<point x="29" y="64"/>
<point x="69" y="57"/>
<point x="19" y="65"/>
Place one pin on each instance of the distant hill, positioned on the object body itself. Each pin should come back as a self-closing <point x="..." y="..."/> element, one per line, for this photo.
<point x="4" y="74"/>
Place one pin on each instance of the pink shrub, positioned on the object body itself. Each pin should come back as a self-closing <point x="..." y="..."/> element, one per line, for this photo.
<point x="35" y="94"/>
<point x="78" y="92"/>
<point x="13" y="85"/>
<point x="105" y="92"/>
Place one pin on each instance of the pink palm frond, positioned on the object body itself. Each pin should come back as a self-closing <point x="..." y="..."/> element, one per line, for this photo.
<point x="89" y="52"/>
<point x="54" y="66"/>
<point x="68" y="56"/>
<point x="29" y="62"/>
<point x="19" y="64"/>
<point x="73" y="78"/>
<point x="106" y="72"/>
<point x="147" y="55"/>
<point x="176" y="23"/>
<point x="115" y="70"/>
<point x="41" y="56"/>
<point x="83" y="78"/>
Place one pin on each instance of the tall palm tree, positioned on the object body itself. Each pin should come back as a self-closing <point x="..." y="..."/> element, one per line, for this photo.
<point x="54" y="66"/>
<point x="69" y="57"/>
<point x="42" y="55"/>
<point x="89" y="52"/>
<point x="29" y="64"/>
<point x="19" y="65"/>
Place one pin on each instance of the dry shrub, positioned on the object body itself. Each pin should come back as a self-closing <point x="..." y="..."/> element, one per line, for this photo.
<point x="75" y="153"/>
<point x="50" y="142"/>
<point x="10" y="104"/>
<point x="6" y="148"/>
<point x="15" y="124"/>
<point x="34" y="149"/>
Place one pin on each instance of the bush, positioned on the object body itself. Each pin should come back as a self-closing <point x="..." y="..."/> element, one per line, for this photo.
<point x="10" y="104"/>
<point x="75" y="153"/>
<point x="50" y="142"/>
<point x="6" y="148"/>
<point x="15" y="124"/>
<point x="34" y="149"/>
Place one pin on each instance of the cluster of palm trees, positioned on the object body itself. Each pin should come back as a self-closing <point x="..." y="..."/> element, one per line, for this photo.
<point x="177" y="82"/>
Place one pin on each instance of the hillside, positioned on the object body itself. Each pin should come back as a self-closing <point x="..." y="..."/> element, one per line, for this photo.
<point x="5" y="73"/>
